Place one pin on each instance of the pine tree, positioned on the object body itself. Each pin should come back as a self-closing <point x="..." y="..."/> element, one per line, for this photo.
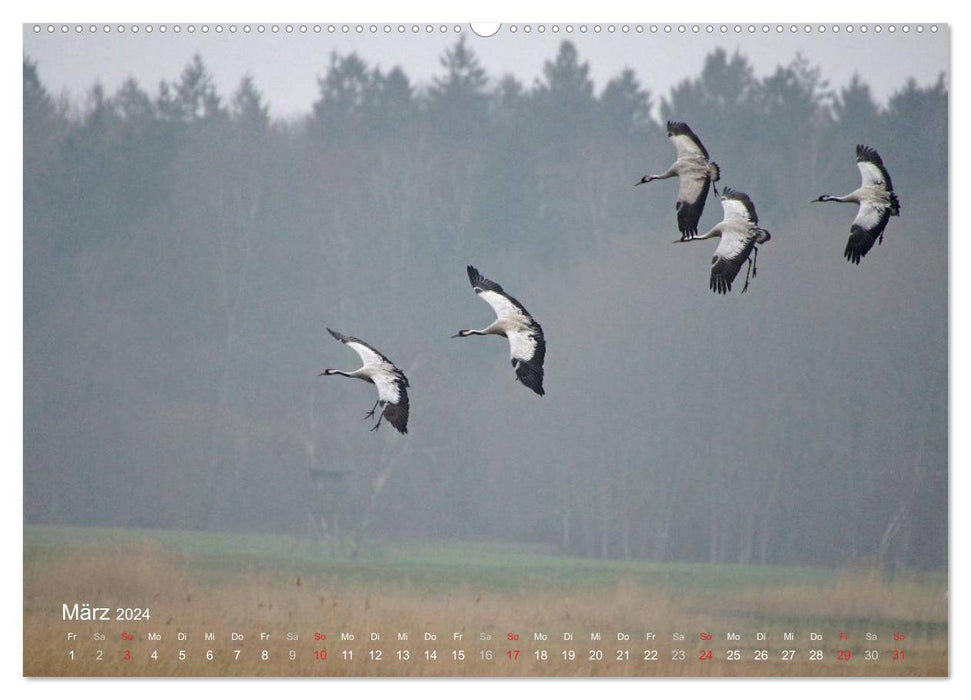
<point x="248" y="110"/>
<point x="193" y="98"/>
<point x="457" y="101"/>
<point x="626" y="106"/>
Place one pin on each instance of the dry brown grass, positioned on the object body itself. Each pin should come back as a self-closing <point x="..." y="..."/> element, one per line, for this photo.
<point x="184" y="598"/>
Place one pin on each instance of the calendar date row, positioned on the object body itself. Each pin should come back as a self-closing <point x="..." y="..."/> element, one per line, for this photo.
<point x="541" y="655"/>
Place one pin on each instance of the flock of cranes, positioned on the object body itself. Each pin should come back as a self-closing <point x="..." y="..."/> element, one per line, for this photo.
<point x="739" y="231"/>
<point x="527" y="350"/>
<point x="739" y="238"/>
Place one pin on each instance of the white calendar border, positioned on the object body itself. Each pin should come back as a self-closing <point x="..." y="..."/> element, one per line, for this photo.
<point x="440" y="11"/>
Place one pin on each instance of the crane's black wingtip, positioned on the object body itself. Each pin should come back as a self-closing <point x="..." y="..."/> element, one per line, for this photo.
<point x="719" y="284"/>
<point x="397" y="415"/>
<point x="868" y="154"/>
<point x="858" y="244"/>
<point x="854" y="253"/>
<point x="535" y="388"/>
<point x="530" y="375"/>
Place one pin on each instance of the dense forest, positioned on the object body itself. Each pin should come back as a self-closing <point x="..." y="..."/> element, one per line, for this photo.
<point x="183" y="253"/>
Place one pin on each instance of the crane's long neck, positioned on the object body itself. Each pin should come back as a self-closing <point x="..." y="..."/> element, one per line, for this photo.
<point x="356" y="374"/>
<point x="670" y="172"/>
<point x="497" y="327"/>
<point x="852" y="198"/>
<point x="714" y="233"/>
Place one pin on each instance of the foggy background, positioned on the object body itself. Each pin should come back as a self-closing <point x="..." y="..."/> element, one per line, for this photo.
<point x="183" y="253"/>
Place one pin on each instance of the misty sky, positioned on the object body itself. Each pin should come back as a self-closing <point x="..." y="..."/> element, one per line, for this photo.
<point x="286" y="66"/>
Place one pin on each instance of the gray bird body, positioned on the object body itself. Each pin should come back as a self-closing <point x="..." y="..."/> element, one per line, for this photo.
<point x="739" y="235"/>
<point x="378" y="370"/>
<point x="527" y="345"/>
<point x="877" y="202"/>
<point x="695" y="172"/>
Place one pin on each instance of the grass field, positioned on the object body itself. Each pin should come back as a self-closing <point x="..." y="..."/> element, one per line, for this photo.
<point x="493" y="609"/>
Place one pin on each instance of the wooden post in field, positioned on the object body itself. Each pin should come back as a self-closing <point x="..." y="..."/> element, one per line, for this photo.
<point x="327" y="505"/>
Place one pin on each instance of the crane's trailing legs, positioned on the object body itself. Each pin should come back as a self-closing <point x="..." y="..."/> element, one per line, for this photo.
<point x="753" y="267"/>
<point x="747" y="271"/>
<point x="370" y="414"/>
<point x="378" y="424"/>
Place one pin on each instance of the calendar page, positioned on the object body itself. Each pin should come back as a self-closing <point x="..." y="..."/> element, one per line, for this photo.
<point x="698" y="427"/>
